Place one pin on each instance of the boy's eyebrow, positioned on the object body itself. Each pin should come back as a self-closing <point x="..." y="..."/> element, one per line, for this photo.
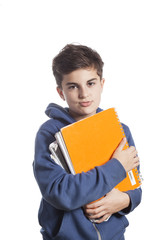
<point x="71" y="83"/>
<point x="92" y="79"/>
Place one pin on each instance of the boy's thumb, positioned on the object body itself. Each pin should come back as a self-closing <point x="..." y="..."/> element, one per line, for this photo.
<point x="122" y="144"/>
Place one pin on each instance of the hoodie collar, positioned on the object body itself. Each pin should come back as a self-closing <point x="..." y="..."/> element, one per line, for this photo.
<point x="55" y="111"/>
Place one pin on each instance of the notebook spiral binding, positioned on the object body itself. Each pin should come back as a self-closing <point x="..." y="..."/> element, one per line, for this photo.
<point x="137" y="172"/>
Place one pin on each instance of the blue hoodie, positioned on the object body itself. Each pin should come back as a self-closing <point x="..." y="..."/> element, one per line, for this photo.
<point x="63" y="195"/>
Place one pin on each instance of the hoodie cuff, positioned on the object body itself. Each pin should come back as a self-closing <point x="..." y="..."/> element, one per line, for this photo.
<point x="113" y="172"/>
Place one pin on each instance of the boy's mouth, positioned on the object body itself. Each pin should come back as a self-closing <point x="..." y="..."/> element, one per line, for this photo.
<point x="85" y="104"/>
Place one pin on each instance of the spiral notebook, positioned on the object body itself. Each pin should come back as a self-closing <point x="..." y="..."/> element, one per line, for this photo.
<point x="91" y="142"/>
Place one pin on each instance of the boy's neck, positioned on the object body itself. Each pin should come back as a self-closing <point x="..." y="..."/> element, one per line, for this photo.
<point x="79" y="117"/>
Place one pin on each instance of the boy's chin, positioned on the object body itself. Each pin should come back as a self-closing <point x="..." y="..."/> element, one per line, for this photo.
<point x="82" y="112"/>
<point x="86" y="113"/>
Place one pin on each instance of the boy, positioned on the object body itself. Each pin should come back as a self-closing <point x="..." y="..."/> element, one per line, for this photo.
<point x="65" y="212"/>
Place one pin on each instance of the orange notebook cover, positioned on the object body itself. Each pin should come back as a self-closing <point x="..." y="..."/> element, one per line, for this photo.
<point x="91" y="142"/>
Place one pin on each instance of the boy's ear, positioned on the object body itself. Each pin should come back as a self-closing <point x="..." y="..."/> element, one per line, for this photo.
<point x="102" y="82"/>
<point x="60" y="92"/>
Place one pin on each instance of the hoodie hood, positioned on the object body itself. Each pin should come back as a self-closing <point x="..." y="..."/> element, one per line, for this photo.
<point x="55" y="111"/>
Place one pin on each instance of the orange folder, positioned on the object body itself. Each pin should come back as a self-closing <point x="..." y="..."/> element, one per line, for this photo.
<point x="91" y="142"/>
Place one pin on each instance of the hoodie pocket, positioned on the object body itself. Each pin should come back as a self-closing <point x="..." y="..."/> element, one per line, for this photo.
<point x="76" y="226"/>
<point x="50" y="219"/>
<point x="113" y="227"/>
<point x="61" y="234"/>
<point x="125" y="221"/>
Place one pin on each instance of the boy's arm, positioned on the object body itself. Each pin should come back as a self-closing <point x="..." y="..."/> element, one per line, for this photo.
<point x="115" y="201"/>
<point x="134" y="195"/>
<point x="66" y="191"/>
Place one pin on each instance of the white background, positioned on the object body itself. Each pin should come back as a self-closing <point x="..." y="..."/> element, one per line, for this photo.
<point x="127" y="36"/>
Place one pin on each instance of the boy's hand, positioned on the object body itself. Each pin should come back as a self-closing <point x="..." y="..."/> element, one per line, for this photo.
<point x="128" y="157"/>
<point x="113" y="202"/>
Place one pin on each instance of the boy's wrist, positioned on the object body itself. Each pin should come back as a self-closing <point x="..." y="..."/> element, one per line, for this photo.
<point x="126" y="202"/>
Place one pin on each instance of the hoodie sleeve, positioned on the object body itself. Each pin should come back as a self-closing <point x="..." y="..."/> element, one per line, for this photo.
<point x="66" y="191"/>
<point x="135" y="195"/>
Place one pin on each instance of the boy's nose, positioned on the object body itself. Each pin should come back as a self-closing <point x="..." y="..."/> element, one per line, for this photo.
<point x="83" y="93"/>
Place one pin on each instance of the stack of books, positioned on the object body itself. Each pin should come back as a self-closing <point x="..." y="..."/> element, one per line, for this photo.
<point x="91" y="142"/>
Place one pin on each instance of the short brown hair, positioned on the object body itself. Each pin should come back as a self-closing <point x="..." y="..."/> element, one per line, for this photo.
<point x="73" y="57"/>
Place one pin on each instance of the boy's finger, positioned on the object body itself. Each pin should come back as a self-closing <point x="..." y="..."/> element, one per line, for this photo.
<point x="122" y="144"/>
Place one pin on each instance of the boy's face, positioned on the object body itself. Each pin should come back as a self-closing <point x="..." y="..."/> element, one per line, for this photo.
<point x="82" y="90"/>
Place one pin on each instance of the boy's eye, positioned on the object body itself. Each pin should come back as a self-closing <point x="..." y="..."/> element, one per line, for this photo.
<point x="91" y="83"/>
<point x="72" y="87"/>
